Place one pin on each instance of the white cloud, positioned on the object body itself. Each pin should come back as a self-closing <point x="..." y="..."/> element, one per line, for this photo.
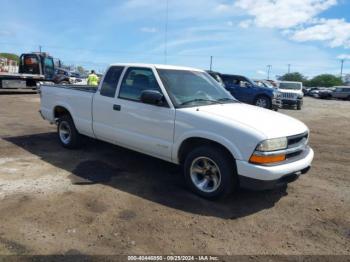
<point x="245" y="23"/>
<point x="261" y="72"/>
<point x="178" y="10"/>
<point x="335" y="32"/>
<point x="283" y="13"/>
<point x="344" y="56"/>
<point x="149" y="29"/>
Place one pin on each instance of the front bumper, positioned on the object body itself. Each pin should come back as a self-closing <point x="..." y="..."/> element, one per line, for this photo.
<point x="261" y="177"/>
<point x="288" y="102"/>
<point x="258" y="185"/>
<point x="276" y="103"/>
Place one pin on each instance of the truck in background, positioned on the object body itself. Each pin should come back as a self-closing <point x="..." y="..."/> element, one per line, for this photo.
<point x="291" y="93"/>
<point x="245" y="90"/>
<point x="32" y="69"/>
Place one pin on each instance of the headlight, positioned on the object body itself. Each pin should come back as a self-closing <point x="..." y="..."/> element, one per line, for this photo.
<point x="267" y="152"/>
<point x="273" y="144"/>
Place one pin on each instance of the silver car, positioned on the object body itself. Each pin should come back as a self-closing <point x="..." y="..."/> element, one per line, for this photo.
<point x="341" y="92"/>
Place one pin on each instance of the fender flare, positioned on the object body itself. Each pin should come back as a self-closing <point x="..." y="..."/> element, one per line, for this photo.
<point x="231" y="147"/>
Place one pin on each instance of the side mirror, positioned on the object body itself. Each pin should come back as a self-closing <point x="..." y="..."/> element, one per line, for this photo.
<point x="152" y="97"/>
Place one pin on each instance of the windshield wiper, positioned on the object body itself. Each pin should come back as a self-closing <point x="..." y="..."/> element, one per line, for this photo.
<point x="226" y="99"/>
<point x="199" y="100"/>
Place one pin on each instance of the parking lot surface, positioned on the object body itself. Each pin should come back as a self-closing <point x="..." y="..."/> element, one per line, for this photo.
<point x="103" y="199"/>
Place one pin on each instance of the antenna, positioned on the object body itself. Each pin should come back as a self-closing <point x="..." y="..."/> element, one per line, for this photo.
<point x="166" y="32"/>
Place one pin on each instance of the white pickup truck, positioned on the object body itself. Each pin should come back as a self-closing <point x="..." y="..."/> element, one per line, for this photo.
<point x="182" y="115"/>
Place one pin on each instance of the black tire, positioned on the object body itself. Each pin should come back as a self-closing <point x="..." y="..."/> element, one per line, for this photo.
<point x="263" y="99"/>
<point x="225" y="164"/>
<point x="298" y="106"/>
<point x="74" y="141"/>
<point x="0" y="83"/>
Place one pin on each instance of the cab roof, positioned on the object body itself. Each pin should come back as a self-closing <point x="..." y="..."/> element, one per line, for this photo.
<point x="157" y="66"/>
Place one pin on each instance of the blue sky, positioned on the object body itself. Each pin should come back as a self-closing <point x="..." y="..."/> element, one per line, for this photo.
<point x="243" y="36"/>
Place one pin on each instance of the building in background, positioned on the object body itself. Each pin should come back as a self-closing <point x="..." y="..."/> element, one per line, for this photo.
<point x="8" y="65"/>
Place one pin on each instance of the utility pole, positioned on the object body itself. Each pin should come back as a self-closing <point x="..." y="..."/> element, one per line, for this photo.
<point x="166" y="32"/>
<point x="341" y="68"/>
<point x="40" y="48"/>
<point x="288" y="68"/>
<point x="211" y="62"/>
<point x="268" y="71"/>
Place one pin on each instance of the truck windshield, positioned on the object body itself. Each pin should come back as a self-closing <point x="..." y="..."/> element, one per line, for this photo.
<point x="49" y="68"/>
<point x="193" y="88"/>
<point x="290" y="86"/>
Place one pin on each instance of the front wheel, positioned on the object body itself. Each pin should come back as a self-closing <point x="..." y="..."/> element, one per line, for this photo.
<point x="263" y="101"/>
<point x="210" y="172"/>
<point x="67" y="133"/>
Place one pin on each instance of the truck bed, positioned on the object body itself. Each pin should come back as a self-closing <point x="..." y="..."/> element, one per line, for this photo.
<point x="77" y="99"/>
<point x="84" y="88"/>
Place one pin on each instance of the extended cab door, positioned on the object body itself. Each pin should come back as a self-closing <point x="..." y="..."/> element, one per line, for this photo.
<point x="104" y="116"/>
<point x="133" y="124"/>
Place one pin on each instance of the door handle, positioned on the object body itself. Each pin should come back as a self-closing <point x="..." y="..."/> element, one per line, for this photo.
<point x="116" y="107"/>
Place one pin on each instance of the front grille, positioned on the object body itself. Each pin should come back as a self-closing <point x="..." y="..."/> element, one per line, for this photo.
<point x="288" y="95"/>
<point x="297" y="141"/>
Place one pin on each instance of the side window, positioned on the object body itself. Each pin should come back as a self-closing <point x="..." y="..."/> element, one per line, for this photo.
<point x="111" y="80"/>
<point x="135" y="81"/>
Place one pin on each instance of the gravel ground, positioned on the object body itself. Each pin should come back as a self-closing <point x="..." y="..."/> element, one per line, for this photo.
<point x="103" y="199"/>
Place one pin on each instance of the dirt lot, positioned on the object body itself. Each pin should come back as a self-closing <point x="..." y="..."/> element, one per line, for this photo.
<point x="103" y="199"/>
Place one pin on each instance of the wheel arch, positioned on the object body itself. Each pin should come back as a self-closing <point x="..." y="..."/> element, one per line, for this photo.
<point x="60" y="110"/>
<point x="189" y="143"/>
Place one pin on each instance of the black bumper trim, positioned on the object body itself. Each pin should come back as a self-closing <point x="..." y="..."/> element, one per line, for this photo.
<point x="258" y="185"/>
<point x="286" y="102"/>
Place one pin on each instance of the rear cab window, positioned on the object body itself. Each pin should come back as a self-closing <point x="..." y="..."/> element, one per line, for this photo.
<point x="111" y="80"/>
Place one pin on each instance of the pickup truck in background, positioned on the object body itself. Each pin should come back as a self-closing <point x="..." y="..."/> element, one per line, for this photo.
<point x="182" y="115"/>
<point x="291" y="93"/>
<point x="247" y="91"/>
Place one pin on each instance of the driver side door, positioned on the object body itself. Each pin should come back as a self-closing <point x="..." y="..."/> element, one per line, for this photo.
<point x="143" y="127"/>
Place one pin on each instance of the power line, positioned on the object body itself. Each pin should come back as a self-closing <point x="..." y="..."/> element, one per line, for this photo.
<point x="341" y="67"/>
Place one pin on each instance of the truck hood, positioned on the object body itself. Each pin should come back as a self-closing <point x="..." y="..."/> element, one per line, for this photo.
<point x="299" y="91"/>
<point x="270" y="123"/>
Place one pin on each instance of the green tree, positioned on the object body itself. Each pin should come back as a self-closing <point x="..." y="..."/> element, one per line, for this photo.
<point x="10" y="56"/>
<point x="81" y="70"/>
<point x="325" y="80"/>
<point x="296" y="77"/>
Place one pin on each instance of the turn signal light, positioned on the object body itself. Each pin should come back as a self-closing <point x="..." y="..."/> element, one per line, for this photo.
<point x="255" y="159"/>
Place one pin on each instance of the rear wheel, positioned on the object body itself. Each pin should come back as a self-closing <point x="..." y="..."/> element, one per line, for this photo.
<point x="263" y="101"/>
<point x="210" y="172"/>
<point x="67" y="133"/>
